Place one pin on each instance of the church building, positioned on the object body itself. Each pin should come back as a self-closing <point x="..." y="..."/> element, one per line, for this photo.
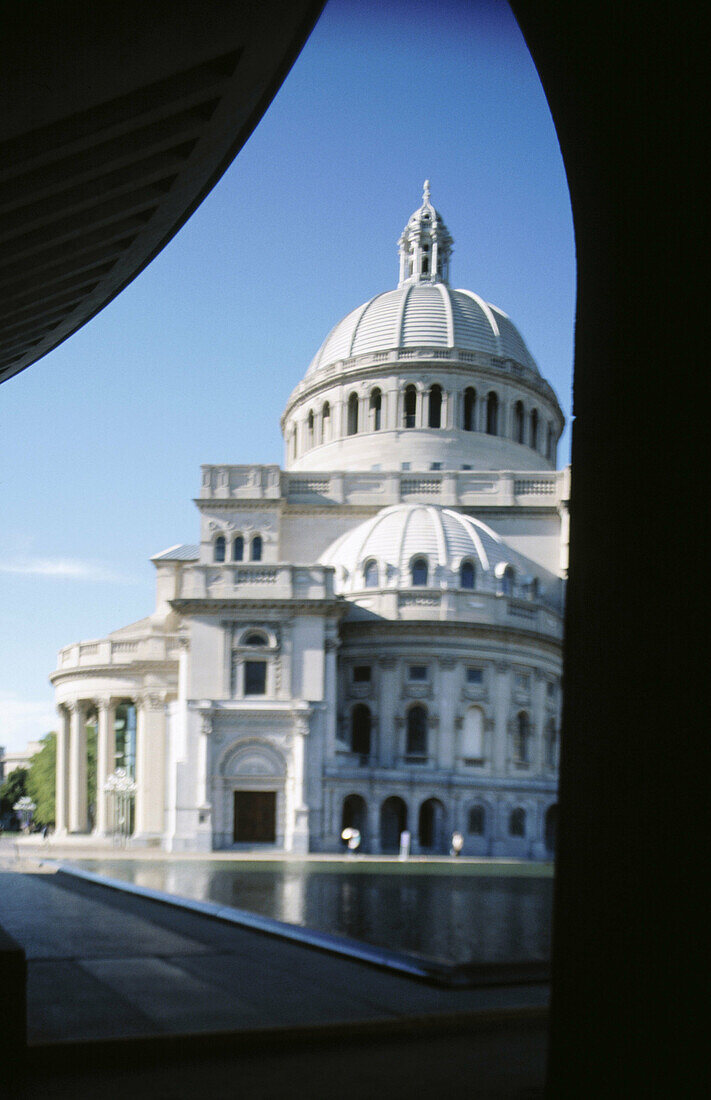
<point x="370" y="637"/>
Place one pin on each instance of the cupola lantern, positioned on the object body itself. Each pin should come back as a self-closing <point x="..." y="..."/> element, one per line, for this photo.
<point x="425" y="246"/>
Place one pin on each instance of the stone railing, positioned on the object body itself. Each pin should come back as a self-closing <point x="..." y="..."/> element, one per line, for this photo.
<point x="424" y="355"/>
<point x="458" y="605"/>
<point x="156" y="647"/>
<point x="448" y="487"/>
<point x="258" y="581"/>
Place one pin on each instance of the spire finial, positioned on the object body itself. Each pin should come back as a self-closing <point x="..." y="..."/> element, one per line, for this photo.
<point x="426" y="192"/>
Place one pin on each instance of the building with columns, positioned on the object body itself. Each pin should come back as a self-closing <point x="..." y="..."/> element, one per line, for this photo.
<point x="369" y="637"/>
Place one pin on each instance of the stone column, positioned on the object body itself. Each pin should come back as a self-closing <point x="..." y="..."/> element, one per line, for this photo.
<point x="448" y="701"/>
<point x="299" y="809"/>
<point x="419" y="408"/>
<point x="150" y="766"/>
<point x="61" y="789"/>
<point x="537" y="756"/>
<point x="77" y="817"/>
<point x="387" y="693"/>
<point x="501" y="695"/>
<point x="105" y="753"/>
<point x="330" y="694"/>
<point x="374" y="823"/>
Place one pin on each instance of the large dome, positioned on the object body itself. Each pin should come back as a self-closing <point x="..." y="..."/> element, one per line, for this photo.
<point x="398" y="536"/>
<point x="424" y="315"/>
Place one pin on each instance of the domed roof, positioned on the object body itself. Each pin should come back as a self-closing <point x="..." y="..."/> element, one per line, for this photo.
<point x="397" y="535"/>
<point x="424" y="315"/>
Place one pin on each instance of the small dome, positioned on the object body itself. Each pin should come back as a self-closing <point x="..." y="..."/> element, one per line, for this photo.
<point x="424" y="315"/>
<point x="399" y="536"/>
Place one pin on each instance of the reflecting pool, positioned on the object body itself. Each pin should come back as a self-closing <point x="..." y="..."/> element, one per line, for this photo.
<point x="454" y="913"/>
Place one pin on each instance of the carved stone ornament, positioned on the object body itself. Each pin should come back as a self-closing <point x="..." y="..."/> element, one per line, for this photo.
<point x="206" y="724"/>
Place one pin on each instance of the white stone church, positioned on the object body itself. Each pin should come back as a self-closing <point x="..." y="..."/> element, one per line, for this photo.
<point x="370" y="637"/>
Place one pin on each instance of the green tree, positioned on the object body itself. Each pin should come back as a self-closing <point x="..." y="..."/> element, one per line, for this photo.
<point x="42" y="779"/>
<point x="14" y="787"/>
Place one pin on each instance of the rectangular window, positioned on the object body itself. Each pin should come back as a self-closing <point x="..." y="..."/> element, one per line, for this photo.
<point x="435" y="465"/>
<point x="255" y="677"/>
<point x="404" y="465"/>
<point x="475" y="676"/>
<point x="361" y="674"/>
<point x="418" y="673"/>
<point x="465" y="467"/>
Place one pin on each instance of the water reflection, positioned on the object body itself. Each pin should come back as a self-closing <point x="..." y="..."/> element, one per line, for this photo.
<point x="455" y="916"/>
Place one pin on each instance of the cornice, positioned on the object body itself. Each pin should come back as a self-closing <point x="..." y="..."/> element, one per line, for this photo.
<point x="370" y="370"/>
<point x="337" y="606"/>
<point x="130" y="668"/>
<point x="274" y="504"/>
<point x="394" y="629"/>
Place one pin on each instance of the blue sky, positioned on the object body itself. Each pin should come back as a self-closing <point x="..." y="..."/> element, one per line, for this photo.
<point x="101" y="441"/>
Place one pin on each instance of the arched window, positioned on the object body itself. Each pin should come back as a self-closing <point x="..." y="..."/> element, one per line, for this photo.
<point x="517" y="822"/>
<point x="417" y="733"/>
<point x="238" y="548"/>
<point x="435" y="413"/>
<point x="534" y="428"/>
<point x="518" y="422"/>
<point x="522" y="738"/>
<point x="370" y="574"/>
<point x="505" y="576"/>
<point x="376" y="404"/>
<point x="352" y="428"/>
<point x="256" y="548"/>
<point x="551" y="745"/>
<point x="360" y="729"/>
<point x="466" y="575"/>
<point x="425" y="263"/>
<point x="469" y="409"/>
<point x="326" y="422"/>
<point x="254" y="639"/>
<point x="418" y="572"/>
<point x="473" y="736"/>
<point x="293" y="444"/>
<point x="532" y="588"/>
<point x="410" y="408"/>
<point x="476" y="821"/>
<point x="492" y="414"/>
<point x="220" y="548"/>
<point x="550" y="444"/>
<point x="310" y="427"/>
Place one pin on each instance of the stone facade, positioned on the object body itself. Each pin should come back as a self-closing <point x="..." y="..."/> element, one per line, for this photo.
<point x="370" y="637"/>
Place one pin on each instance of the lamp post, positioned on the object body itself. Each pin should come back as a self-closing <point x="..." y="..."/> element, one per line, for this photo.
<point x="122" y="789"/>
<point x="25" y="808"/>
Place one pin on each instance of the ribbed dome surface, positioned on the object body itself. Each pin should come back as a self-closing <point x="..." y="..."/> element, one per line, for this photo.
<point x="424" y="315"/>
<point x="397" y="535"/>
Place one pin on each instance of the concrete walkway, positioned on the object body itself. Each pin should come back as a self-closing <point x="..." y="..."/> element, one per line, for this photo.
<point x="105" y="968"/>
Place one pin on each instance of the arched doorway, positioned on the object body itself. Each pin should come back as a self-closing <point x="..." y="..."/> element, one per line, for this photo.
<point x="551" y="828"/>
<point x="355" y="816"/>
<point x="393" y="820"/>
<point x="430" y="826"/>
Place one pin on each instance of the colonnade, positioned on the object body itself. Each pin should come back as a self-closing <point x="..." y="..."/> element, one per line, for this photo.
<point x="148" y="766"/>
<point x="315" y="429"/>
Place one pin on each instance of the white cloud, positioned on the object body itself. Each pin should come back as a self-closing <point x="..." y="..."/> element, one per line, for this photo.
<point x="23" y="720"/>
<point x="63" y="568"/>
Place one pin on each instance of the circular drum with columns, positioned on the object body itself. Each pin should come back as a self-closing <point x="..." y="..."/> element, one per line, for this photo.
<point x="423" y="375"/>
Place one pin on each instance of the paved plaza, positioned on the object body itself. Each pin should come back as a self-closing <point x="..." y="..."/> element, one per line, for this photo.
<point x="106" y="967"/>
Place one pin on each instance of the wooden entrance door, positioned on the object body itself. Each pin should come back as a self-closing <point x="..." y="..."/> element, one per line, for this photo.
<point x="255" y="817"/>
